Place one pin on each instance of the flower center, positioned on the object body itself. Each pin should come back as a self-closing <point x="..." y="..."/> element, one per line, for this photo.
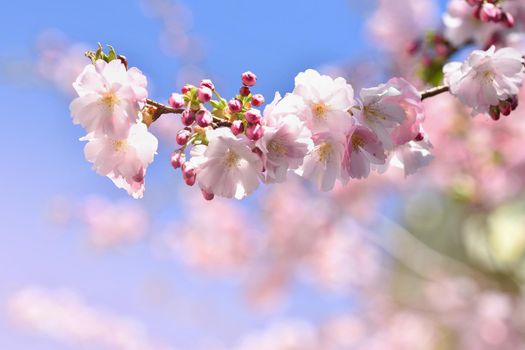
<point x="357" y="141"/>
<point x="319" y="110"/>
<point x="372" y="111"/>
<point x="276" y="146"/>
<point x="119" y="145"/>
<point x="109" y="99"/>
<point x="231" y="159"/>
<point x="324" y="152"/>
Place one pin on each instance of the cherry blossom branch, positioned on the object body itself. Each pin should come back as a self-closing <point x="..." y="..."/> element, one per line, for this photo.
<point x="161" y="109"/>
<point x="434" y="91"/>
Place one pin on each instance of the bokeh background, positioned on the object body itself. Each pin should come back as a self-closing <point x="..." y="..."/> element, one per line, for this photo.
<point x="434" y="261"/>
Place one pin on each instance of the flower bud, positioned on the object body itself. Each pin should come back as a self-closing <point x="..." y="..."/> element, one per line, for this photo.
<point x="514" y="102"/>
<point x="254" y="131"/>
<point x="187" y="117"/>
<point x="203" y="118"/>
<point x="204" y="94"/>
<point x="244" y="91"/>
<point x="234" y="105"/>
<point x="505" y="107"/>
<point x="257" y="100"/>
<point x="186" y="88"/>
<point x="176" y="100"/>
<point x="248" y="78"/>
<point x="207" y="83"/>
<point x="177" y="159"/>
<point x="490" y="13"/>
<point x="253" y="116"/>
<point x="494" y="112"/>
<point x="189" y="174"/>
<point x="207" y="195"/>
<point x="419" y="137"/>
<point x="183" y="136"/>
<point x="237" y="127"/>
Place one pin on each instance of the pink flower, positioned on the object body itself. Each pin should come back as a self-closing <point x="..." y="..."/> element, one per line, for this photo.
<point x="285" y="143"/>
<point x="410" y="101"/>
<point x="110" y="98"/>
<point x="461" y="25"/>
<point x="381" y="110"/>
<point x="412" y="156"/>
<point x="362" y="149"/>
<point x="227" y="167"/>
<point x="327" y="101"/>
<point x="486" y="77"/>
<point x="125" y="160"/>
<point x="323" y="164"/>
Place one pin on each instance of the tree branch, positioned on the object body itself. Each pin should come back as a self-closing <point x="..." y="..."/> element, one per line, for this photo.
<point x="434" y="92"/>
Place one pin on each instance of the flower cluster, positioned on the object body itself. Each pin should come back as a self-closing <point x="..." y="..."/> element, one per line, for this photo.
<point x="488" y="81"/>
<point x="319" y="131"/>
<point x="109" y="106"/>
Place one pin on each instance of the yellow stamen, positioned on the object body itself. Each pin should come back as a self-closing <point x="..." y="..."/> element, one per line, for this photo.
<point x="110" y="99"/>
<point x="357" y="141"/>
<point x="119" y="145"/>
<point x="275" y="146"/>
<point x="324" y="152"/>
<point x="319" y="110"/>
<point x="232" y="159"/>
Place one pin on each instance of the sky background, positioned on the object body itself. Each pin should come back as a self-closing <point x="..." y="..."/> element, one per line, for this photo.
<point x="43" y="159"/>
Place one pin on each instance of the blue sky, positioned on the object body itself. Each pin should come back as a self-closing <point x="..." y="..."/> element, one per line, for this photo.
<point x="42" y="156"/>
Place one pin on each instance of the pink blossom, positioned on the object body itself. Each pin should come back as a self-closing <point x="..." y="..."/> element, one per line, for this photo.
<point x="410" y="101"/>
<point x="323" y="164"/>
<point x="486" y="77"/>
<point x="362" y="149"/>
<point x="227" y="167"/>
<point x="411" y="156"/>
<point x="461" y="25"/>
<point x="328" y="101"/>
<point x="381" y="110"/>
<point x="110" y="98"/>
<point x="285" y="143"/>
<point x="124" y="160"/>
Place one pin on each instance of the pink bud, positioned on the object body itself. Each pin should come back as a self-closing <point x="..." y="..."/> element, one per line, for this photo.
<point x="514" y="102"/>
<point x="203" y="118"/>
<point x="508" y="20"/>
<point x="253" y="116"/>
<point x="244" y="91"/>
<point x="257" y="100"/>
<point x="237" y="127"/>
<point x="204" y="94"/>
<point x="419" y="137"/>
<point x="248" y="78"/>
<point x="177" y="159"/>
<point x="187" y="117"/>
<point x="254" y="131"/>
<point x="208" y="84"/>
<point x="207" y="195"/>
<point x="189" y="173"/>
<point x="490" y="12"/>
<point x="139" y="176"/>
<point x="505" y="107"/>
<point x="183" y="136"/>
<point x="186" y="88"/>
<point x="176" y="100"/>
<point x="494" y="112"/>
<point x="234" y="105"/>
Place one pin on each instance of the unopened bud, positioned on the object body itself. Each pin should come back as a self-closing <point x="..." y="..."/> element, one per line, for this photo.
<point x="254" y="131"/>
<point x="177" y="159"/>
<point x="186" y="88"/>
<point x="203" y="118"/>
<point x="208" y="83"/>
<point x="176" y="100"/>
<point x="253" y="116"/>
<point x="244" y="91"/>
<point x="237" y="127"/>
<point x="248" y="78"/>
<point x="187" y="117"/>
<point x="183" y="136"/>
<point x="494" y="112"/>
<point x="257" y="100"/>
<point x="234" y="105"/>
<point x="189" y="173"/>
<point x="204" y="94"/>
<point x="207" y="195"/>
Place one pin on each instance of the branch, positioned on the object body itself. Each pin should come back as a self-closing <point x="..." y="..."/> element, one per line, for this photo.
<point x="434" y="92"/>
<point x="158" y="109"/>
<point x="161" y="109"/>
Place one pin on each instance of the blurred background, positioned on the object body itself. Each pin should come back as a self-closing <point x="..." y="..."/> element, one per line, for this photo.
<point x="434" y="261"/>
